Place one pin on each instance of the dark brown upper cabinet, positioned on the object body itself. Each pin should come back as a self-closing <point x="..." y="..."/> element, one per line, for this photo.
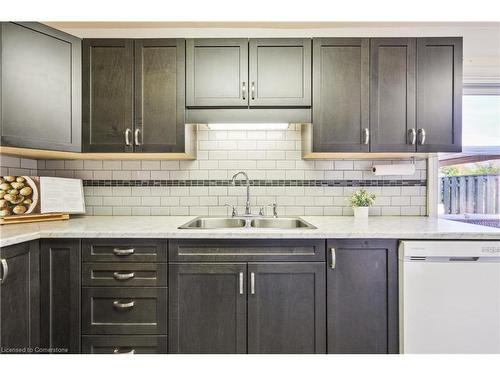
<point x="439" y="94"/>
<point x="280" y="72"/>
<point x="392" y="95"/>
<point x="108" y="95"/>
<point x="340" y="95"/>
<point x="159" y="95"/>
<point x="217" y="73"/>
<point x="133" y="95"/>
<point x="242" y="73"/>
<point x="40" y="87"/>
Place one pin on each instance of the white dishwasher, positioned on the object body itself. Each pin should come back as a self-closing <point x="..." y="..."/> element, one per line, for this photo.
<point x="449" y="296"/>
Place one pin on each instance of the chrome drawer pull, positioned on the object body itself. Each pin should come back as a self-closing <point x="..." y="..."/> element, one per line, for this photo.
<point x="120" y="305"/>
<point x="5" y="270"/>
<point x="127" y="136"/>
<point x="123" y="276"/>
<point x="241" y="283"/>
<point x="252" y="283"/>
<point x="118" y="351"/>
<point x="421" y="133"/>
<point x="136" y="137"/>
<point x="123" y="252"/>
<point x="366" y="136"/>
<point x="413" y="136"/>
<point x="334" y="258"/>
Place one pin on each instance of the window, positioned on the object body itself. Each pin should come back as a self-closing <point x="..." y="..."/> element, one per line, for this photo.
<point x="469" y="181"/>
<point x="480" y="121"/>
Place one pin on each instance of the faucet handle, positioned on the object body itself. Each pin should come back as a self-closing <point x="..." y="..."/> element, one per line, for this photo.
<point x="273" y="205"/>
<point x="234" y="212"/>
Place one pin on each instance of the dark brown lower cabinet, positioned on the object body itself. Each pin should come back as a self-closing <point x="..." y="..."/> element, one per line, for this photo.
<point x="60" y="295"/>
<point x="286" y="308"/>
<point x="208" y="308"/>
<point x="20" y="298"/>
<point x="124" y="344"/>
<point x="362" y="295"/>
<point x="285" y="304"/>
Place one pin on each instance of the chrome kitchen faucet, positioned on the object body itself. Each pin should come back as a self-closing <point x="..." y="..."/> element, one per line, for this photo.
<point x="247" y="204"/>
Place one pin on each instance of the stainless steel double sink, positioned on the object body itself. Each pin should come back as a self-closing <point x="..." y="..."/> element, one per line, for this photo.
<point x="247" y="222"/>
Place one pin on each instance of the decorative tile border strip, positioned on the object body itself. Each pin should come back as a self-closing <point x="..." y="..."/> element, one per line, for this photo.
<point x="187" y="183"/>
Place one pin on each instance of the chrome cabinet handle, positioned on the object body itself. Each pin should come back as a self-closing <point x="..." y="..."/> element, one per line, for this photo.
<point x="123" y="252"/>
<point x="136" y="137"/>
<point x="127" y="136"/>
<point x="413" y="136"/>
<point x="241" y="283"/>
<point x="334" y="258"/>
<point x="121" y="305"/>
<point x="366" y="136"/>
<point x="123" y="276"/>
<point x="119" y="351"/>
<point x="253" y="90"/>
<point x="244" y="90"/>
<point x="5" y="270"/>
<point x="252" y="283"/>
<point x="421" y="133"/>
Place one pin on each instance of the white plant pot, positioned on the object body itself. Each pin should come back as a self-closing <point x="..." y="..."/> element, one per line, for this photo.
<point x="360" y="212"/>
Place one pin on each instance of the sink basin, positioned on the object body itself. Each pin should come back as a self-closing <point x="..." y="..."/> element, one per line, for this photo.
<point x="282" y="223"/>
<point x="214" y="223"/>
<point x="242" y="222"/>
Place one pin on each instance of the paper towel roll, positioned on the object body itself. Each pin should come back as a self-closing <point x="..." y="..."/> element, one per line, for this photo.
<point x="393" y="169"/>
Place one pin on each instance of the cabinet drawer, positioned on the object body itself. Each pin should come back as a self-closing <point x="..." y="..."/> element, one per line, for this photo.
<point x="124" y="344"/>
<point x="124" y="250"/>
<point x="124" y="274"/>
<point x="246" y="250"/>
<point x="124" y="311"/>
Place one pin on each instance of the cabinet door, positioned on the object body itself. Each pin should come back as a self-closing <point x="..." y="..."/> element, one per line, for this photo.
<point x="108" y="98"/>
<point x="340" y="97"/>
<point x="362" y="296"/>
<point x="20" y="297"/>
<point x="392" y="95"/>
<point x="217" y="73"/>
<point x="60" y="294"/>
<point x="286" y="308"/>
<point x="280" y="72"/>
<point x="439" y="94"/>
<point x="40" y="87"/>
<point x="207" y="309"/>
<point x="159" y="95"/>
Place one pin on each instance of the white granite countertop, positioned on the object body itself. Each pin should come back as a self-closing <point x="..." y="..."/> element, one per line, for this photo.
<point x="167" y="227"/>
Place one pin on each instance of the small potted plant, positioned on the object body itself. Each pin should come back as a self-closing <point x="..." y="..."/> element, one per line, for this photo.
<point x="360" y="202"/>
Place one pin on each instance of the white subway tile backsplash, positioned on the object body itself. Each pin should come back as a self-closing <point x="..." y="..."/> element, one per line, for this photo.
<point x="150" y="165"/>
<point x="131" y="165"/>
<point x="90" y="164"/>
<point x="121" y="175"/>
<point x="344" y="164"/>
<point x="112" y="164"/>
<point x="54" y="164"/>
<point x="102" y="175"/>
<point x="264" y="155"/>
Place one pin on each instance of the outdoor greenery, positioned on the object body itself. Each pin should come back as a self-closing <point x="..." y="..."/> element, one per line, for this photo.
<point x="491" y="167"/>
<point x="362" y="198"/>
